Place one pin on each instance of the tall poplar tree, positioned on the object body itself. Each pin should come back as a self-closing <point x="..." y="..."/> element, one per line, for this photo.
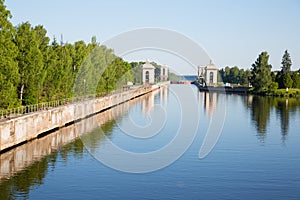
<point x="286" y="70"/>
<point x="286" y="63"/>
<point x="30" y="62"/>
<point x="9" y="76"/>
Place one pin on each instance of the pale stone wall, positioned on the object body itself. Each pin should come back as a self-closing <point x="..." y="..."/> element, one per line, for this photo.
<point x="23" y="156"/>
<point x="28" y="127"/>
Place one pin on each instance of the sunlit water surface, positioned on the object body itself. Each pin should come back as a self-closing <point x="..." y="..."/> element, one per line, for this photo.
<point x="257" y="155"/>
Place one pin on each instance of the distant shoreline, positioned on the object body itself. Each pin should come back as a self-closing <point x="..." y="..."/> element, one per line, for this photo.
<point x="248" y="90"/>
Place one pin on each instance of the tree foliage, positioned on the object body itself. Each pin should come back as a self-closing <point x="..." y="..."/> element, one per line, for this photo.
<point x="30" y="63"/>
<point x="286" y="63"/>
<point x="235" y="75"/>
<point x="296" y="79"/>
<point x="261" y="73"/>
<point x="284" y="78"/>
<point x="9" y="75"/>
<point x="33" y="70"/>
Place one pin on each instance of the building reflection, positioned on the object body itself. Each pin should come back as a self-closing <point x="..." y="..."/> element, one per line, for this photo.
<point x="148" y="103"/>
<point x="149" y="100"/>
<point x="164" y="93"/>
<point x="208" y="100"/>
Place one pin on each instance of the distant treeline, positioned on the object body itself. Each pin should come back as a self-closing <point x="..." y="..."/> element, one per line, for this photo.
<point x="260" y="75"/>
<point x="234" y="75"/>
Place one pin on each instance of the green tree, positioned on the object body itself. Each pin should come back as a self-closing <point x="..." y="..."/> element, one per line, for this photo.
<point x="273" y="75"/>
<point x="137" y="72"/>
<point x="52" y="70"/>
<point x="279" y="80"/>
<point x="246" y="77"/>
<point x="296" y="79"/>
<point x="234" y="75"/>
<point x="226" y="77"/>
<point x="273" y="86"/>
<point x="286" y="63"/>
<point x="285" y="73"/>
<point x="287" y="81"/>
<point x="9" y="75"/>
<point x="261" y="73"/>
<point x="30" y="62"/>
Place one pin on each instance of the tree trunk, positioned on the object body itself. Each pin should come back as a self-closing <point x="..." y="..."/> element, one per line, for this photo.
<point x="21" y="95"/>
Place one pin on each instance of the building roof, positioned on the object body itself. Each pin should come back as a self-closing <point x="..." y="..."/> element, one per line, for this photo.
<point x="148" y="65"/>
<point x="211" y="66"/>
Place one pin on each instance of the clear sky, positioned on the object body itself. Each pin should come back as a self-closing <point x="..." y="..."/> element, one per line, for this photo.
<point x="232" y="32"/>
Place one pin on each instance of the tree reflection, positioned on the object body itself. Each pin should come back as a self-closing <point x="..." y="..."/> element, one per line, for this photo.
<point x="262" y="106"/>
<point x="27" y="165"/>
<point x="283" y="112"/>
<point x="20" y="183"/>
<point x="285" y="107"/>
<point x="260" y="114"/>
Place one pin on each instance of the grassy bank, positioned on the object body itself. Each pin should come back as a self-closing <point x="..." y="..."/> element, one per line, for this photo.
<point x="279" y="93"/>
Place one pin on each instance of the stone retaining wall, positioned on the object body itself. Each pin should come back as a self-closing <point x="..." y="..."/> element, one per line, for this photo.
<point x="22" y="129"/>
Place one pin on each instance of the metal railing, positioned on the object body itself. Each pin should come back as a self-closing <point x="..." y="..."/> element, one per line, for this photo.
<point x="17" y="112"/>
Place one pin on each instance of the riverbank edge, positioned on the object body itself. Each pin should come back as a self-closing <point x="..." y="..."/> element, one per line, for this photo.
<point x="20" y="130"/>
<point x="290" y="93"/>
<point x="223" y="89"/>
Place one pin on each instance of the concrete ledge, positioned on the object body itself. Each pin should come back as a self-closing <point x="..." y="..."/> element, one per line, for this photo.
<point x="25" y="128"/>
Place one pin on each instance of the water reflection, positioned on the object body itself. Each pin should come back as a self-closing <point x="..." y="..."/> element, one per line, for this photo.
<point x="251" y="169"/>
<point x="209" y="101"/>
<point x="164" y="94"/>
<point x="261" y="107"/>
<point x="148" y="103"/>
<point x="26" y="166"/>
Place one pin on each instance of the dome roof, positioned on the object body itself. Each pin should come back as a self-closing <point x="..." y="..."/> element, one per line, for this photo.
<point x="147" y="65"/>
<point x="211" y="66"/>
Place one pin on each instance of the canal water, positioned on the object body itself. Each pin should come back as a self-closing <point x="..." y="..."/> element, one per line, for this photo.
<point x="251" y="144"/>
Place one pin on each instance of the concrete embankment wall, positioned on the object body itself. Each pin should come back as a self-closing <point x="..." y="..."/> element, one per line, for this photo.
<point x="17" y="159"/>
<point x="22" y="129"/>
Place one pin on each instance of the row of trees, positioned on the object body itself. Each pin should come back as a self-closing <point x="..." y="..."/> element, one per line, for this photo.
<point x="234" y="75"/>
<point x="264" y="80"/>
<point x="32" y="69"/>
<point x="260" y="75"/>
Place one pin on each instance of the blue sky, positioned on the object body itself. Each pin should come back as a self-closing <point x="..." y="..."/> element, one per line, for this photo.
<point x="232" y="32"/>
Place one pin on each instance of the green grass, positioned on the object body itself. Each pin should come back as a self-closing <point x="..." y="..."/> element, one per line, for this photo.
<point x="293" y="92"/>
<point x="283" y="93"/>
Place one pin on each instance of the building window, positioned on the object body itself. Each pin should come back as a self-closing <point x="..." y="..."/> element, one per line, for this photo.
<point x="147" y="76"/>
<point x="164" y="71"/>
<point x="211" y="77"/>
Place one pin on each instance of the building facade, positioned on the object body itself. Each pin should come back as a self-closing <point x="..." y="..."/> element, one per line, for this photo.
<point x="164" y="73"/>
<point x="209" y="74"/>
<point x="148" y="73"/>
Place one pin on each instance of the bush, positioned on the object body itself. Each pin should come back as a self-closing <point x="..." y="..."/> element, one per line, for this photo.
<point x="273" y="87"/>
